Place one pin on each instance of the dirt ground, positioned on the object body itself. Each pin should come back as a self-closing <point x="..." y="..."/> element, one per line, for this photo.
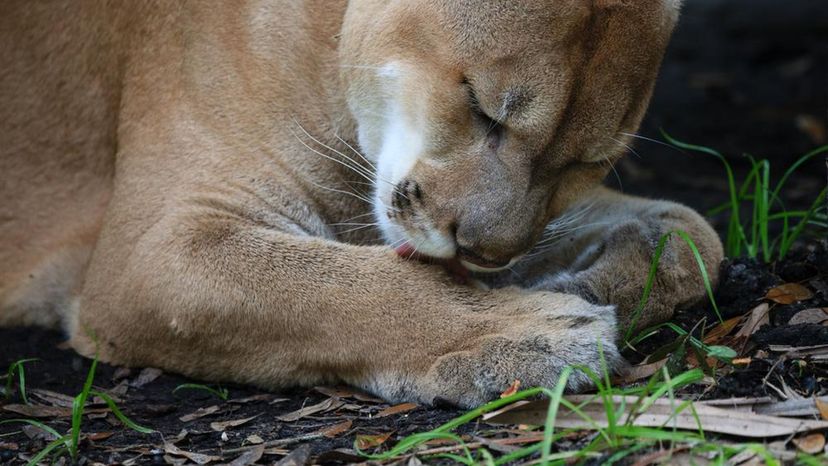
<point x="743" y="76"/>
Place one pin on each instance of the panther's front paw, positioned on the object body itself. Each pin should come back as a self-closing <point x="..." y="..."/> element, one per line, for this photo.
<point x="533" y="347"/>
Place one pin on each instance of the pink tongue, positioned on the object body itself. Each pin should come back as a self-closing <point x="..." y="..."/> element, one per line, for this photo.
<point x="453" y="266"/>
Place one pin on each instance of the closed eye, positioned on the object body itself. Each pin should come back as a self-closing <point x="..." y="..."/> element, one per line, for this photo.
<point x="478" y="111"/>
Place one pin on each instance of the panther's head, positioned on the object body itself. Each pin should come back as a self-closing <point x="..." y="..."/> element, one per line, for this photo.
<point x="487" y="118"/>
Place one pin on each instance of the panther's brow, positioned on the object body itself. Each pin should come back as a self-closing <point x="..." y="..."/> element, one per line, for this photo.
<point x="515" y="100"/>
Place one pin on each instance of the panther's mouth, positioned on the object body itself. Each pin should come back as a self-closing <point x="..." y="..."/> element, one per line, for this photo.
<point x="459" y="268"/>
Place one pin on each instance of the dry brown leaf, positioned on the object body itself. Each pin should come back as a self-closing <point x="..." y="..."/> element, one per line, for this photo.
<point x="757" y="317"/>
<point x="814" y="315"/>
<point x="339" y="456"/>
<point x="336" y="429"/>
<point x="822" y="406"/>
<point x="642" y="371"/>
<point x="397" y="409"/>
<point x="121" y="373"/>
<point x="814" y="352"/>
<point x="146" y="376"/>
<point x="223" y="425"/>
<point x="253" y="439"/>
<point x="364" y="442"/>
<point x="512" y="389"/>
<point x="789" y="293"/>
<point x="36" y="433"/>
<point x="716" y="333"/>
<point x="336" y="392"/>
<point x="345" y="392"/>
<point x="298" y="457"/>
<point x="249" y="457"/>
<point x="326" y="405"/>
<point x="199" y="413"/>
<point x="197" y="458"/>
<point x="53" y="398"/>
<point x="811" y="444"/>
<point x="813" y="127"/>
<point x="253" y="398"/>
<point x="95" y="436"/>
<point x="39" y="411"/>
<point x="661" y="413"/>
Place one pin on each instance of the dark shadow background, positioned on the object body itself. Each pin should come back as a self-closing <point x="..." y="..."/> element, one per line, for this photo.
<point x="741" y="76"/>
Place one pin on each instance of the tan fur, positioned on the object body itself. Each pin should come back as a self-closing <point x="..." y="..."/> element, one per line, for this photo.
<point x="173" y="186"/>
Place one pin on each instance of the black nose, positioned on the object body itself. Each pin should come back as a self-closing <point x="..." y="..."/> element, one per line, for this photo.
<point x="474" y="258"/>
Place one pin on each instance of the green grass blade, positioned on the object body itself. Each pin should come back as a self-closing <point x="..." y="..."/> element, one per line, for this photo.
<point x="735" y="233"/>
<point x="118" y="414"/>
<point x="702" y="270"/>
<point x="795" y="166"/>
<point x="554" y="403"/>
<point x="46" y="450"/>
<point x="443" y="431"/>
<point x="220" y="392"/>
<point x="648" y="285"/>
<point x="78" y="406"/>
<point x="17" y="367"/>
<point x="34" y="423"/>
<point x="788" y="242"/>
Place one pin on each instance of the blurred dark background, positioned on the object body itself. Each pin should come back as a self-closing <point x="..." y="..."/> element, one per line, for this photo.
<point x="740" y="76"/>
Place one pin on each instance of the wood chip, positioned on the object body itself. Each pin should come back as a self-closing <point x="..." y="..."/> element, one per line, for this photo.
<point x="199" y="413"/>
<point x="789" y="293"/>
<point x="224" y="425"/>
<point x="811" y="444"/>
<point x="323" y="406"/>
<point x="397" y="409"/>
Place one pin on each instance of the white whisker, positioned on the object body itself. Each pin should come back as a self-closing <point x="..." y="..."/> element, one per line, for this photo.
<point x="357" y="153"/>
<point x="356" y="167"/>
<point x="644" y="138"/>
<point x="627" y="146"/>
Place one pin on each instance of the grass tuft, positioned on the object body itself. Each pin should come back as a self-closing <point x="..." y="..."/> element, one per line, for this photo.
<point x="70" y="442"/>
<point x="17" y="368"/>
<point x="754" y="205"/>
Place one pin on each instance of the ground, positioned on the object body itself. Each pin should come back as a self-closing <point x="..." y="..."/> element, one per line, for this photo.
<point x="740" y="76"/>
